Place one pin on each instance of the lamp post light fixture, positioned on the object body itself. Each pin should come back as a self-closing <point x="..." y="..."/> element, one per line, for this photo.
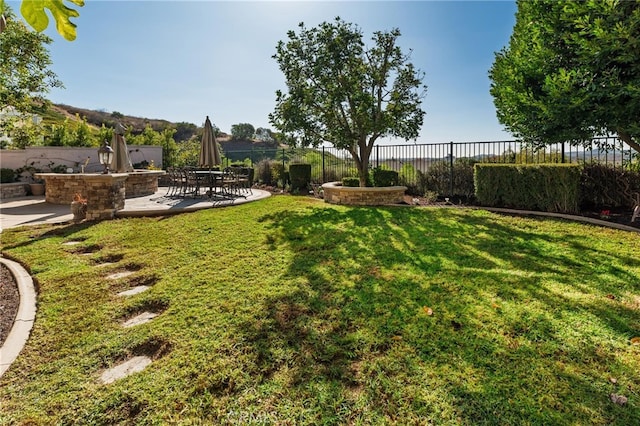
<point x="105" y="155"/>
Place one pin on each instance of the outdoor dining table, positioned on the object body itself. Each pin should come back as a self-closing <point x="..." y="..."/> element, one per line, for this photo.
<point x="211" y="178"/>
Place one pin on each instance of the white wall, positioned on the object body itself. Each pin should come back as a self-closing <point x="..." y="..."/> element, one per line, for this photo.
<point x="45" y="157"/>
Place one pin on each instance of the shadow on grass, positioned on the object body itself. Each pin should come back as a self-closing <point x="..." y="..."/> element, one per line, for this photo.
<point x="499" y="347"/>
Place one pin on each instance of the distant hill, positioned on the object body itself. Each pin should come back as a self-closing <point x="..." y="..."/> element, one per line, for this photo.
<point x="109" y="119"/>
<point x="95" y="118"/>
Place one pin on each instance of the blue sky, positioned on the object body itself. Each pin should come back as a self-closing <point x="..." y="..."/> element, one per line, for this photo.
<point x="184" y="60"/>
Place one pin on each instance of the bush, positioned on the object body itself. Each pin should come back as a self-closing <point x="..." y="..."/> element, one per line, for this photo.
<point x="351" y="181"/>
<point x="7" y="175"/>
<point x="263" y="172"/>
<point x="544" y="187"/>
<point x="437" y="178"/>
<point x="382" y="177"/>
<point x="604" y="186"/>
<point x="300" y="175"/>
<point x="278" y="173"/>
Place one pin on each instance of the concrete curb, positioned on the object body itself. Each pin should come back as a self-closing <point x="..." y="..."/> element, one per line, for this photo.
<point x="574" y="218"/>
<point x="25" y="316"/>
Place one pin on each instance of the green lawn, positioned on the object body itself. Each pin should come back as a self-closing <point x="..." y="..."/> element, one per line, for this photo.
<point x="292" y="311"/>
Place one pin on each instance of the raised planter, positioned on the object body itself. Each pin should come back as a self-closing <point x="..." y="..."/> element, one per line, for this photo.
<point x="12" y="190"/>
<point x="335" y="193"/>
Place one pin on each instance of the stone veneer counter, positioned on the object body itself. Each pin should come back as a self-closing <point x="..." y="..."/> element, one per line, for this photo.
<point x="60" y="187"/>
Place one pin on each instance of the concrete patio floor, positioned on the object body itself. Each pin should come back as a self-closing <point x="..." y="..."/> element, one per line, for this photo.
<point x="34" y="210"/>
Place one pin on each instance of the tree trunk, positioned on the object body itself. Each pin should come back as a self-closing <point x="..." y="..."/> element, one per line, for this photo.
<point x="363" y="172"/>
<point x="626" y="138"/>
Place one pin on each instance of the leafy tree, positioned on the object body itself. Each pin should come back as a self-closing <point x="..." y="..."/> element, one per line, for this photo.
<point x="570" y="72"/>
<point x="26" y="133"/>
<point x="242" y="131"/>
<point x="185" y="131"/>
<point x="24" y="68"/>
<point x="345" y="94"/>
<point x="34" y="13"/>
<point x="82" y="135"/>
<point x="264" y="135"/>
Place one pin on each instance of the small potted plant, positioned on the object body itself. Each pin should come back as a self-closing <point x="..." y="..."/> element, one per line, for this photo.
<point x="79" y="207"/>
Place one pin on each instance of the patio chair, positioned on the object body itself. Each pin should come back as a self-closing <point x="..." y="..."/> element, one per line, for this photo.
<point x="176" y="182"/>
<point x="191" y="183"/>
<point x="243" y="179"/>
<point x="231" y="181"/>
<point x="636" y="208"/>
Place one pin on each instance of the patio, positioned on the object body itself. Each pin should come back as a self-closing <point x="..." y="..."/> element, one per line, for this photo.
<point x="33" y="210"/>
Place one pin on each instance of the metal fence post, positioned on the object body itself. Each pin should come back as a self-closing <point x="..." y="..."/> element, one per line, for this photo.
<point x="324" y="176"/>
<point x="284" y="174"/>
<point x="451" y="169"/>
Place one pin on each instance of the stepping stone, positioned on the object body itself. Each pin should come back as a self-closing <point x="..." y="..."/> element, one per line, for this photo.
<point x="134" y="290"/>
<point x="71" y="243"/>
<point x="133" y="365"/>
<point x="140" y="319"/>
<point x="119" y="275"/>
<point x="105" y="264"/>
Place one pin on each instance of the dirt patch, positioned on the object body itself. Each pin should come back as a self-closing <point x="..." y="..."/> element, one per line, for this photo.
<point x="9" y="302"/>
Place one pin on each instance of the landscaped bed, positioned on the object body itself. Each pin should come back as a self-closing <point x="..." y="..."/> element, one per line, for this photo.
<point x="294" y="311"/>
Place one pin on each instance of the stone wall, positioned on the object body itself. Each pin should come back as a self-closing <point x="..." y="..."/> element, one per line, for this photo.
<point x="105" y="195"/>
<point x="143" y="183"/>
<point x="12" y="190"/>
<point x="335" y="193"/>
<point x="61" y="187"/>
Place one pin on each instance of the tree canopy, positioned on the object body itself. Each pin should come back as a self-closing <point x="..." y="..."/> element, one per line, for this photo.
<point x="346" y="94"/>
<point x="242" y="131"/>
<point x="570" y="72"/>
<point x="24" y="69"/>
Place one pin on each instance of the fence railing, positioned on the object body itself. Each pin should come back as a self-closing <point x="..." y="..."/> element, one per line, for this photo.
<point x="414" y="161"/>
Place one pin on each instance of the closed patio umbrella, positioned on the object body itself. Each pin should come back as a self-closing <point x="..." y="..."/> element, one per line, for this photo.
<point x="120" y="163"/>
<point x="209" y="152"/>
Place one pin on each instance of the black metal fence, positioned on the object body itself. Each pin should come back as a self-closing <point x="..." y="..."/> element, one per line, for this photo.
<point x="416" y="162"/>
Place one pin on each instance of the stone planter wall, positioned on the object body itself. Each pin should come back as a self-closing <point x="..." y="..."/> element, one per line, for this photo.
<point x="12" y="190"/>
<point x="335" y="193"/>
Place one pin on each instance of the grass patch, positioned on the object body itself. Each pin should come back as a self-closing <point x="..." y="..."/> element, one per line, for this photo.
<point x="292" y="311"/>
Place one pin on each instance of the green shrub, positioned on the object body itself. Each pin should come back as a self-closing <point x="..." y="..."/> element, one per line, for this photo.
<point x="437" y="178"/>
<point x="7" y="175"/>
<point x="263" y="172"/>
<point x="300" y="175"/>
<point x="351" y="181"/>
<point x="544" y="187"/>
<point x="278" y="173"/>
<point x="605" y="186"/>
<point x="383" y="177"/>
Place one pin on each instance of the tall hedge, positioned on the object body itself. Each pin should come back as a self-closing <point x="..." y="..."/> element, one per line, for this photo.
<point x="543" y="187"/>
<point x="608" y="187"/>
